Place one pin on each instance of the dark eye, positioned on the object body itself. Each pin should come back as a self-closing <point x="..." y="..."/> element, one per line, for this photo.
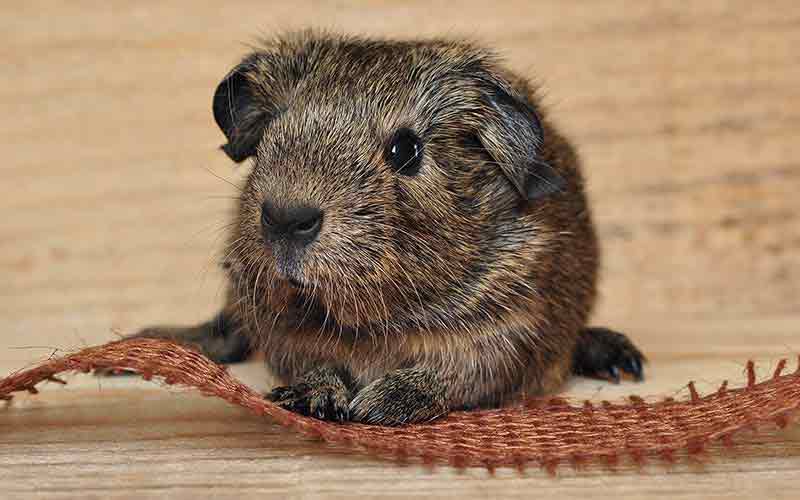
<point x="404" y="152"/>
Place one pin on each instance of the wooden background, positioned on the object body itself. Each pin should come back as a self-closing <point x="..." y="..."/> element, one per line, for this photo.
<point x="114" y="199"/>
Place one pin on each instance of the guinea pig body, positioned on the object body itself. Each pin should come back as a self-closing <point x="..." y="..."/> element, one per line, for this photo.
<point x="414" y="235"/>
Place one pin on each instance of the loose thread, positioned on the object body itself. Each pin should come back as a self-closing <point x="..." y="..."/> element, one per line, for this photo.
<point x="779" y="369"/>
<point x="693" y="392"/>
<point x="751" y="374"/>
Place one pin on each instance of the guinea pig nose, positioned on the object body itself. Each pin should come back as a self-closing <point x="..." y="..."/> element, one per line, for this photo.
<point x="299" y="224"/>
<point x="304" y="223"/>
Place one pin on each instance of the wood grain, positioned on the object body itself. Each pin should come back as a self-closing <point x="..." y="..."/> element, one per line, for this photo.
<point x="116" y="198"/>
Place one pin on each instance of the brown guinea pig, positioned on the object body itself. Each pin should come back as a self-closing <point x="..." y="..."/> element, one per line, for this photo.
<point x="413" y="238"/>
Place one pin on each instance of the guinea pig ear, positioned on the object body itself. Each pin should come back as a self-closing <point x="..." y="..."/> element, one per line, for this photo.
<point x="513" y="135"/>
<point x="240" y="113"/>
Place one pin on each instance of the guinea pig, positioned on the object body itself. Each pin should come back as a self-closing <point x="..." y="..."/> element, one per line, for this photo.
<point x="413" y="238"/>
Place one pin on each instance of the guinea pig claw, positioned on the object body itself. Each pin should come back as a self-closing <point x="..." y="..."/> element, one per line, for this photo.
<point x="613" y="371"/>
<point x="323" y="402"/>
<point x="633" y="366"/>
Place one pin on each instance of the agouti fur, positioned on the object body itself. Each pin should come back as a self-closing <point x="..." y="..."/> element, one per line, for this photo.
<point x="461" y="283"/>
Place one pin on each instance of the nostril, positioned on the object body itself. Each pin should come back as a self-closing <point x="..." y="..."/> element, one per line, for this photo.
<point x="308" y="226"/>
<point x="301" y="223"/>
<point x="266" y="216"/>
<point x="306" y="223"/>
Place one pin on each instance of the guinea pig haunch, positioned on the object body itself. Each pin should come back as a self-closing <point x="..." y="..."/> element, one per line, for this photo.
<point x="413" y="238"/>
<point x="543" y="431"/>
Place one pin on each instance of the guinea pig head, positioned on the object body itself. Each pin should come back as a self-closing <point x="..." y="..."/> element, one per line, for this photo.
<point x="391" y="181"/>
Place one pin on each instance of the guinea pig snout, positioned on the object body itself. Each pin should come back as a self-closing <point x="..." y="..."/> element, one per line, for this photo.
<point x="299" y="225"/>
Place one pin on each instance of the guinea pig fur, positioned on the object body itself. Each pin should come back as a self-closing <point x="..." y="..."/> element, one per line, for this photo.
<point x="413" y="237"/>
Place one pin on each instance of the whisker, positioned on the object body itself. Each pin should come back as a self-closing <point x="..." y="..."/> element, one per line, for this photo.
<point x="235" y="186"/>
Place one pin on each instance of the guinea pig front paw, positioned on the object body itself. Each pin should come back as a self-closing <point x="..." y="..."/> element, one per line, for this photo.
<point x="401" y="397"/>
<point x="324" y="402"/>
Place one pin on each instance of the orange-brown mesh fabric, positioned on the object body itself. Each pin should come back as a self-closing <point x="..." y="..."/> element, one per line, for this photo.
<point x="542" y="431"/>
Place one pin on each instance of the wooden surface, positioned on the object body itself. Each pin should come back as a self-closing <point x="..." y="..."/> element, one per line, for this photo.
<point x="115" y="198"/>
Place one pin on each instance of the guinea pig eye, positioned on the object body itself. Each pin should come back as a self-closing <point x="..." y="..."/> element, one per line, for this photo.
<point x="404" y="152"/>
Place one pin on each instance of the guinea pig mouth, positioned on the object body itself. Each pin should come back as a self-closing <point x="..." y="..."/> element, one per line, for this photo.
<point x="289" y="267"/>
<point x="293" y="278"/>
